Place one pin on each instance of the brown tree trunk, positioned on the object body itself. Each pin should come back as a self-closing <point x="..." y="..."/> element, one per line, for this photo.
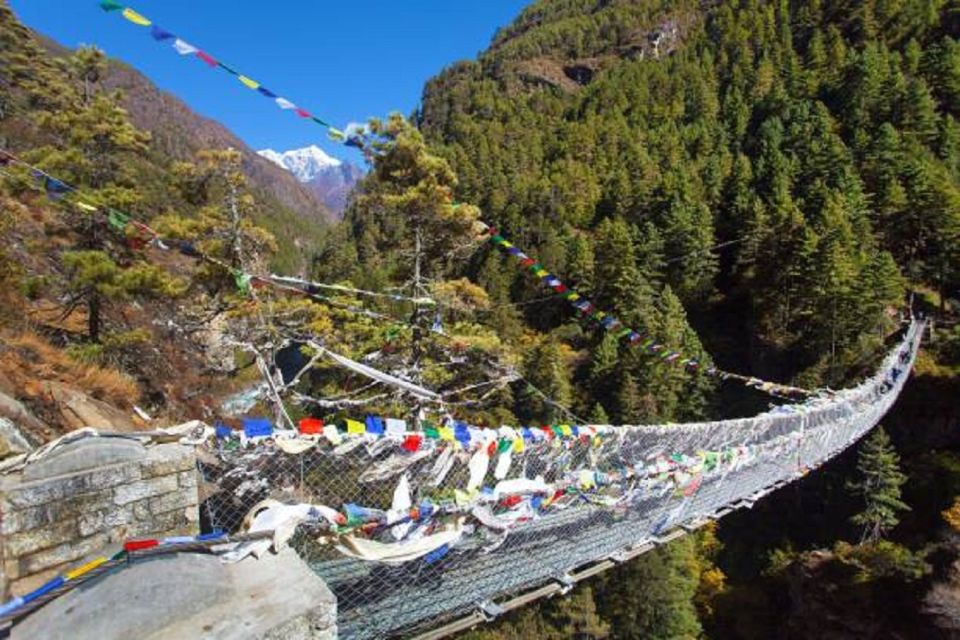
<point x="93" y="317"/>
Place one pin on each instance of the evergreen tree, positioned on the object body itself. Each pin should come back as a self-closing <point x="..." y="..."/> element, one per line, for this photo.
<point x="651" y="597"/>
<point x="879" y="486"/>
<point x="96" y="279"/>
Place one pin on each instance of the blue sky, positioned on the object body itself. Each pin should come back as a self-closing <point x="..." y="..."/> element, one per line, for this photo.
<point x="344" y="61"/>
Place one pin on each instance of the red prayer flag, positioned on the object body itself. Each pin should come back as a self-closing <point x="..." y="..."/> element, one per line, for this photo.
<point x="303" y="113"/>
<point x="511" y="501"/>
<point x="206" y="57"/>
<point x="137" y="545"/>
<point x="412" y="443"/>
<point x="492" y="448"/>
<point x="311" y="426"/>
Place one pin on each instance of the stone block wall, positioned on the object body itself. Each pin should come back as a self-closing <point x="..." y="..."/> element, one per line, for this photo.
<point x="87" y="499"/>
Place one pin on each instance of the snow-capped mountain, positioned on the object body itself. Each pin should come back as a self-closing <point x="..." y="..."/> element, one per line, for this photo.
<point x="328" y="177"/>
<point x="304" y="163"/>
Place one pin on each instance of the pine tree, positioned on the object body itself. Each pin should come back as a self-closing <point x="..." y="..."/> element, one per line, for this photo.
<point x="546" y="369"/>
<point x="879" y="486"/>
<point x="95" y="279"/>
<point x="652" y="597"/>
<point x="575" y="616"/>
<point x="225" y="226"/>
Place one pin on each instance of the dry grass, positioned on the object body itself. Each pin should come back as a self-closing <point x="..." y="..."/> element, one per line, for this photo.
<point x="29" y="359"/>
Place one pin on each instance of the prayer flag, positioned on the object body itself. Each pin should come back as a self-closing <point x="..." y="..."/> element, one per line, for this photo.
<point x="303" y="113"/>
<point x="396" y="427"/>
<point x="117" y="220"/>
<point x="332" y="434"/>
<point x="374" y="425"/>
<point x="110" y="5"/>
<point x="229" y="70"/>
<point x="85" y="206"/>
<point x="160" y="34"/>
<point x="263" y="90"/>
<point x="206" y="57"/>
<point x="184" y="48"/>
<point x="256" y="427"/>
<point x="135" y="17"/>
<point x="283" y="103"/>
<point x="311" y="426"/>
<point x="247" y="82"/>
<point x="242" y="280"/>
<point x="461" y="433"/>
<point x="412" y="443"/>
<point x="446" y="433"/>
<point x="355" y="428"/>
<point x="55" y="188"/>
<point x="186" y="248"/>
<point x="319" y="121"/>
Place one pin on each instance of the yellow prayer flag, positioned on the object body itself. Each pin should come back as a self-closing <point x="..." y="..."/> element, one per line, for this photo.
<point x="573" y="297"/>
<point x="446" y="433"/>
<point x="355" y="428"/>
<point x="542" y="272"/>
<point x="518" y="445"/>
<point x="85" y="206"/>
<point x="252" y="84"/>
<point x="506" y="244"/>
<point x="566" y="430"/>
<point x="135" y="17"/>
<point x="79" y="571"/>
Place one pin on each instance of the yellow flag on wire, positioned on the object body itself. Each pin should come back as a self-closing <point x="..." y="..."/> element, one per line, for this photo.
<point x="355" y="428"/>
<point x="252" y="84"/>
<point x="135" y="17"/>
<point x="85" y="206"/>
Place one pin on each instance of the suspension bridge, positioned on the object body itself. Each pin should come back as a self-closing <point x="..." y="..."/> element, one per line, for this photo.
<point x="469" y="524"/>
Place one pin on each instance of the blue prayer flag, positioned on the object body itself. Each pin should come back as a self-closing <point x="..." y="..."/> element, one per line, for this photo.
<point x="255" y="427"/>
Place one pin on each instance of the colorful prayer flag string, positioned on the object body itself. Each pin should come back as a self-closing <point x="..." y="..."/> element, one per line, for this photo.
<point x="609" y="323"/>
<point x="355" y="138"/>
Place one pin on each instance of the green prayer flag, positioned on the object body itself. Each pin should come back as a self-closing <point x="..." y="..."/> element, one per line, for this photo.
<point x="504" y="445"/>
<point x="117" y="220"/>
<point x="498" y="239"/>
<point x="227" y="69"/>
<point x="242" y="280"/>
<point x="110" y="5"/>
<point x="431" y="432"/>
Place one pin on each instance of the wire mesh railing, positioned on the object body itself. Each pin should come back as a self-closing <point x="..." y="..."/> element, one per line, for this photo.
<point x="516" y="508"/>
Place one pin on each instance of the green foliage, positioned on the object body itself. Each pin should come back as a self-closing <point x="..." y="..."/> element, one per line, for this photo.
<point x="652" y="596"/>
<point x="878" y="466"/>
<point x="882" y="559"/>
<point x="96" y="279"/>
<point x="822" y="145"/>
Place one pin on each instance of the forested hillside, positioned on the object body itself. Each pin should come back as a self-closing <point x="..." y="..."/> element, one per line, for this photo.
<point x="796" y="162"/>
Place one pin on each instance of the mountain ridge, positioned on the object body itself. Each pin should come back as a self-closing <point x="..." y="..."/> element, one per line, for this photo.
<point x="328" y="178"/>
